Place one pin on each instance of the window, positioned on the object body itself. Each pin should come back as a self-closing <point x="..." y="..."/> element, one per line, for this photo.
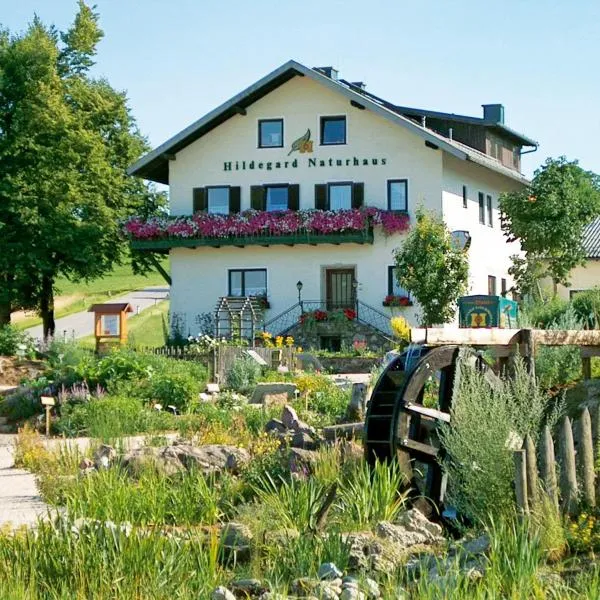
<point x="490" y="220"/>
<point x="394" y="288"/>
<point x="333" y="130"/>
<point x="465" y="199"/>
<point x="247" y="282"/>
<point x="503" y="287"/>
<point x="491" y="285"/>
<point x="277" y="197"/>
<point x="397" y="192"/>
<point x="270" y="133"/>
<point x="482" y="208"/>
<point x="281" y="196"/>
<point x="340" y="196"/>
<point x="218" y="200"/>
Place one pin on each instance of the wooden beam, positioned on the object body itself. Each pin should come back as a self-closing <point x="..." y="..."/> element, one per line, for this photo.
<point x="438" y="415"/>
<point x="160" y="269"/>
<point x="169" y="156"/>
<point x="239" y="110"/>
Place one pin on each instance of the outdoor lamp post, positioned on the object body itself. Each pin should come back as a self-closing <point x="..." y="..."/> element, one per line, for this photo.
<point x="299" y="288"/>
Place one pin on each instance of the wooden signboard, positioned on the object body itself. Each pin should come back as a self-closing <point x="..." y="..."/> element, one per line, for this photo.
<point x="110" y="322"/>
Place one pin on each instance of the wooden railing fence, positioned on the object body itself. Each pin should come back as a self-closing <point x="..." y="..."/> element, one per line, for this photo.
<point x="569" y="479"/>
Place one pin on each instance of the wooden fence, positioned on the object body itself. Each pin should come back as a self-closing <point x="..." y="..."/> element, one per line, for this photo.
<point x="220" y="360"/>
<point x="576" y="483"/>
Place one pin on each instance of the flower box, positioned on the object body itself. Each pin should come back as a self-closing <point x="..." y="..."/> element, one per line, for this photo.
<point x="397" y="301"/>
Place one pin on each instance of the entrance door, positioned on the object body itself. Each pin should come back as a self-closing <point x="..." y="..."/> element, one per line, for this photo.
<point x="339" y="288"/>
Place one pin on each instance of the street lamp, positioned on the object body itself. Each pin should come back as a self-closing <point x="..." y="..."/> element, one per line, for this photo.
<point x="299" y="288"/>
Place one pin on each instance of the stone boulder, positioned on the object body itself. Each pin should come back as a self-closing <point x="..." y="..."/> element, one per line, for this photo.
<point x="274" y="390"/>
<point x="412" y="529"/>
<point x="169" y="460"/>
<point x="104" y="456"/>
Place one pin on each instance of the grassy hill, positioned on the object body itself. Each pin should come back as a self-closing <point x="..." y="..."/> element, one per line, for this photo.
<point x="73" y="297"/>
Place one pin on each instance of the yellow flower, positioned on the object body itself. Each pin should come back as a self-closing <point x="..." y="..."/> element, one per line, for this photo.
<point x="279" y="341"/>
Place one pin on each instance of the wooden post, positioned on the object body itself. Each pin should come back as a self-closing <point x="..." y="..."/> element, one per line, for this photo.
<point x="587" y="457"/>
<point x="586" y="367"/>
<point x="528" y="346"/>
<point x="596" y="430"/>
<point x="521" y="481"/>
<point x="532" y="474"/>
<point x="548" y="465"/>
<point x="568" y="477"/>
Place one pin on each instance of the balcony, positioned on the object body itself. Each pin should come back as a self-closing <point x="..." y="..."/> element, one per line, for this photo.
<point x="261" y="228"/>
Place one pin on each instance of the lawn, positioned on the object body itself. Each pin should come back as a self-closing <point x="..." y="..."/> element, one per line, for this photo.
<point x="72" y="297"/>
<point x="146" y="330"/>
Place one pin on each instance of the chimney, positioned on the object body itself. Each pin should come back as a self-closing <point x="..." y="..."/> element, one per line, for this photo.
<point x="330" y="72"/>
<point x="493" y="113"/>
<point x="361" y="85"/>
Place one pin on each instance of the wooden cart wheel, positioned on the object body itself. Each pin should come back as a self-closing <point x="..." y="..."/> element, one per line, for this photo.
<point x="406" y="407"/>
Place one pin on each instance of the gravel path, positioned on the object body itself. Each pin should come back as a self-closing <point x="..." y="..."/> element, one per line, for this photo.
<point x="81" y="324"/>
<point x="20" y="502"/>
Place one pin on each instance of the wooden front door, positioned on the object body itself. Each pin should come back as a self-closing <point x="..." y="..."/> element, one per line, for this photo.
<point x="339" y="288"/>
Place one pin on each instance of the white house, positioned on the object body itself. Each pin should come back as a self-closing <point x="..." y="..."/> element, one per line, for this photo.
<point x="303" y="139"/>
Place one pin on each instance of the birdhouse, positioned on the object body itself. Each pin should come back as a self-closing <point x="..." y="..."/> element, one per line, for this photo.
<point x="110" y="323"/>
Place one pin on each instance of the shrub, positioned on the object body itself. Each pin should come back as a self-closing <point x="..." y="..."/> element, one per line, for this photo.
<point x="24" y="403"/>
<point x="243" y="374"/>
<point x="544" y="314"/>
<point x="485" y="418"/>
<point x="586" y="306"/>
<point x="14" y="342"/>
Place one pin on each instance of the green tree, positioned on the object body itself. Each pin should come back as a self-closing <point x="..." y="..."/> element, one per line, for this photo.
<point x="547" y="217"/>
<point x="433" y="268"/>
<point x="66" y="140"/>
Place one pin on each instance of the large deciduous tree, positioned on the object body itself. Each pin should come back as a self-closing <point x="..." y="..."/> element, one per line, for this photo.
<point x="66" y="140"/>
<point x="548" y="217"/>
<point x="433" y="268"/>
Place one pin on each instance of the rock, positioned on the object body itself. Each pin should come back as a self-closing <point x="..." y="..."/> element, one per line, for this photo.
<point x="275" y="426"/>
<point x="207" y="459"/>
<point x="405" y="537"/>
<point x="236" y="541"/>
<point x="302" y="439"/>
<point x="308" y="362"/>
<point x="212" y="388"/>
<point x="369" y="553"/>
<point x="263" y="389"/>
<point x="479" y="545"/>
<point x="372" y="589"/>
<point x="329" y="571"/>
<point x="149" y="457"/>
<point x="327" y="592"/>
<point x="86" y="465"/>
<point x="248" y="587"/>
<point x="275" y="399"/>
<point x="303" y="586"/>
<point x="352" y="594"/>
<point x="222" y="593"/>
<point x="301" y="461"/>
<point x="289" y="417"/>
<point x="357" y="405"/>
<point x="104" y="456"/>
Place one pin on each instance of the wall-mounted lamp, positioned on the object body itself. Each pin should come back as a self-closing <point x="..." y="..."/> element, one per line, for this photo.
<point x="299" y="288"/>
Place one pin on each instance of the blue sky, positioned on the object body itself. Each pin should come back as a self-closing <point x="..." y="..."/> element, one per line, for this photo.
<point x="178" y="59"/>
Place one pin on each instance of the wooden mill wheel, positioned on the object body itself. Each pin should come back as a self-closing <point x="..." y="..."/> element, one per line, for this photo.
<point x="407" y="405"/>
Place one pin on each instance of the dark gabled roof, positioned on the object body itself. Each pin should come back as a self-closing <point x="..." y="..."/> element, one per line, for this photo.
<point x="155" y="164"/>
<point x="591" y="239"/>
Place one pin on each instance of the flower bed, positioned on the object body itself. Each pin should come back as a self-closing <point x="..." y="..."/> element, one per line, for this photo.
<point x="322" y="315"/>
<point x="253" y="223"/>
<point x="392" y="300"/>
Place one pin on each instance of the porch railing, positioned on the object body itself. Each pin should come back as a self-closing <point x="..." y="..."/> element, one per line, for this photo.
<point x="365" y="314"/>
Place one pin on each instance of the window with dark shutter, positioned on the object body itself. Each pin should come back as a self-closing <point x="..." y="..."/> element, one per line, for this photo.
<point x="358" y="195"/>
<point x="490" y="220"/>
<point x="482" y="208"/>
<point x="339" y="196"/>
<point x="491" y="285"/>
<point x="199" y="199"/>
<point x="321" y="196"/>
<point x="465" y="199"/>
<point x="294" y="197"/>
<point x="217" y="200"/>
<point x="257" y="197"/>
<point x="234" y="199"/>
<point x="394" y="288"/>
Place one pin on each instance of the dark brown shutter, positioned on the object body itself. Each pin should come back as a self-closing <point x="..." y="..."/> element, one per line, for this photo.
<point x="199" y="199"/>
<point x="257" y="197"/>
<point x="234" y="199"/>
<point x="321" y="196"/>
<point x="358" y="195"/>
<point x="294" y="197"/>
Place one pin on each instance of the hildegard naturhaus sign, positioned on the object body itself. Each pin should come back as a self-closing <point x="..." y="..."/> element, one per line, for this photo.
<point x="243" y="165"/>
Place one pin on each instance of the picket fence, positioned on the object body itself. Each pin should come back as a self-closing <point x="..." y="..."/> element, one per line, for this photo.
<point x="576" y="483"/>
